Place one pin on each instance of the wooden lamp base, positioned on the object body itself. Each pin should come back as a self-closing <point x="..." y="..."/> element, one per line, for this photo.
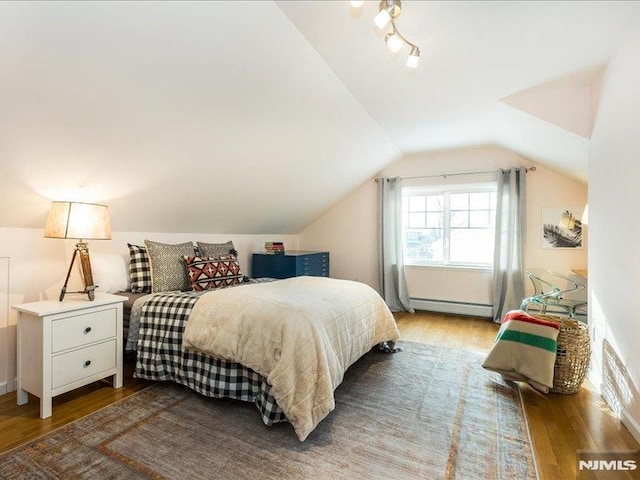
<point x="82" y="250"/>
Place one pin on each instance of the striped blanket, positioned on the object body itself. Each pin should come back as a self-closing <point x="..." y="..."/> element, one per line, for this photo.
<point x="525" y="350"/>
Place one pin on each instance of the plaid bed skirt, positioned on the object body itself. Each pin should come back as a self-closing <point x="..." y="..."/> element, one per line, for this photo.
<point x="161" y="357"/>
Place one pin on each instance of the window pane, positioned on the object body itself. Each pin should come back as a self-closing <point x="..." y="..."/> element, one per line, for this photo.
<point x="424" y="245"/>
<point x="435" y="245"/>
<point x="435" y="203"/>
<point x="471" y="246"/>
<point x="434" y="220"/>
<point x="480" y="219"/>
<point x="417" y="203"/>
<point x="459" y="201"/>
<point x="479" y="201"/>
<point x="411" y="245"/>
<point x="417" y="220"/>
<point x="470" y="223"/>
<point x="459" y="219"/>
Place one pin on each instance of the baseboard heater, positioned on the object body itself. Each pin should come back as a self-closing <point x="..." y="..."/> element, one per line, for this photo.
<point x="456" y="308"/>
<point x="8" y="386"/>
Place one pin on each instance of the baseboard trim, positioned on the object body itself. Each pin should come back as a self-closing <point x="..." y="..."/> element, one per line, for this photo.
<point x="632" y="425"/>
<point x="8" y="386"/>
<point x="457" y="308"/>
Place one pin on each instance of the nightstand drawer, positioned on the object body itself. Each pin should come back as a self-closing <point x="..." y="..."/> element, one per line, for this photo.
<point x="85" y="362"/>
<point x="65" y="345"/>
<point x="83" y="329"/>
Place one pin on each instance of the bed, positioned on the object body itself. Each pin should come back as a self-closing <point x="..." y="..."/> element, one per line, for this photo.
<point x="127" y="305"/>
<point x="214" y="362"/>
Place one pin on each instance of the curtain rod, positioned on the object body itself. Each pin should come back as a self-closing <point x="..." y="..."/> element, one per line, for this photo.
<point x="528" y="169"/>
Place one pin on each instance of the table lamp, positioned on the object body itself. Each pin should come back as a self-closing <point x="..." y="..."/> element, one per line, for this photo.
<point x="83" y="221"/>
<point x="585" y="215"/>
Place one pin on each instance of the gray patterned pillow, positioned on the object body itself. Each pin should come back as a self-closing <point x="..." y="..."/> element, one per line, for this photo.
<point x="168" y="271"/>
<point x="215" y="249"/>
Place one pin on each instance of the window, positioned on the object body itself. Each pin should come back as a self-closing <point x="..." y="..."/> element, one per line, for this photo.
<point x="449" y="227"/>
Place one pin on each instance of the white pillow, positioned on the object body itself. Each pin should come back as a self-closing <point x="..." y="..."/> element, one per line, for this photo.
<point x="110" y="272"/>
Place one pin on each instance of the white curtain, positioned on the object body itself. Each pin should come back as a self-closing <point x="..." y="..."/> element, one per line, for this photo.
<point x="393" y="285"/>
<point x="508" y="269"/>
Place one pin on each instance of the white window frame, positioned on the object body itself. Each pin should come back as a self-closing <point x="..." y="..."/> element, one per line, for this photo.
<point x="446" y="191"/>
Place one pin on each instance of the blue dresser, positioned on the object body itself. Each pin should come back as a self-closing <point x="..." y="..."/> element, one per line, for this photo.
<point x="293" y="263"/>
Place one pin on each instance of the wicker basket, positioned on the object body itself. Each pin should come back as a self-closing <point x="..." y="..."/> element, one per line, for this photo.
<point x="573" y="355"/>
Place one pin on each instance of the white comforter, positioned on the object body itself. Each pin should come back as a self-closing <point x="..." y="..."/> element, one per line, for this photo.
<point x="301" y="334"/>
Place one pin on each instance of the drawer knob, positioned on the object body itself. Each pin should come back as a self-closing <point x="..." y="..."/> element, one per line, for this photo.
<point x="87" y="363"/>
<point x="87" y="330"/>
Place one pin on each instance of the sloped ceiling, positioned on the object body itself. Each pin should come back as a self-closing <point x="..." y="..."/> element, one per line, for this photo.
<point x="473" y="54"/>
<point x="254" y="117"/>
<point x="211" y="117"/>
<point x="570" y="102"/>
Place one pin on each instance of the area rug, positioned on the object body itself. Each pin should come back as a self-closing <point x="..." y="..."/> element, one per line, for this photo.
<point x="426" y="412"/>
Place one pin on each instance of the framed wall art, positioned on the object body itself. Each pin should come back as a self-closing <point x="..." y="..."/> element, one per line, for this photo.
<point x="562" y="227"/>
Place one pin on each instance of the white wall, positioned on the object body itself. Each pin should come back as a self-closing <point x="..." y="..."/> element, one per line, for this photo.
<point x="349" y="229"/>
<point x="36" y="271"/>
<point x="4" y="321"/>
<point x="39" y="265"/>
<point x="614" y="229"/>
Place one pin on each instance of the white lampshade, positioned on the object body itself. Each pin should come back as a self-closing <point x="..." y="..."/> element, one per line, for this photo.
<point x="382" y="19"/>
<point x="413" y="58"/>
<point x="585" y="215"/>
<point x="87" y="221"/>
<point x="393" y="42"/>
<point x="356" y="3"/>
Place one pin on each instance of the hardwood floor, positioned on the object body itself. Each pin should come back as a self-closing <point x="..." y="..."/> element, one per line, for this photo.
<point x="560" y="424"/>
<point x="21" y="424"/>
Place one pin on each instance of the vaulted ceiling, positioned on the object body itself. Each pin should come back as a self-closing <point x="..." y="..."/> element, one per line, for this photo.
<point x="254" y="117"/>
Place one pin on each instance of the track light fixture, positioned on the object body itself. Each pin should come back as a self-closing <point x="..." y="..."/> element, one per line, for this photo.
<point x="393" y="42"/>
<point x="388" y="11"/>
<point x="413" y="58"/>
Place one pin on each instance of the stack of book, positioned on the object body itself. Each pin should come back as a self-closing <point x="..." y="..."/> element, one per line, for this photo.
<point x="276" y="248"/>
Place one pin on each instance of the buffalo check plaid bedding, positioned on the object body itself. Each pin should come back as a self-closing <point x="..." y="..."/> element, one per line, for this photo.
<point x="160" y="356"/>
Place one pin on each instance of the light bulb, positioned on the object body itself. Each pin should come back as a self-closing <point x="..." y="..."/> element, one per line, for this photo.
<point x="382" y="19"/>
<point x="356" y="3"/>
<point x="413" y="58"/>
<point x="393" y="42"/>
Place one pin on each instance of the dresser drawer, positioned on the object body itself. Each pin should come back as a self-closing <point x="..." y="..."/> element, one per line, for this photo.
<point x="308" y="264"/>
<point x="83" y="329"/>
<point x="291" y="264"/>
<point x="85" y="362"/>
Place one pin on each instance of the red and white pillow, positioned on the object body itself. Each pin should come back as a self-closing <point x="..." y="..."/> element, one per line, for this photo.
<point x="210" y="273"/>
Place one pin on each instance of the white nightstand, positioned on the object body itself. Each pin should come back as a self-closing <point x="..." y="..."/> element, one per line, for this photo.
<point x="65" y="345"/>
